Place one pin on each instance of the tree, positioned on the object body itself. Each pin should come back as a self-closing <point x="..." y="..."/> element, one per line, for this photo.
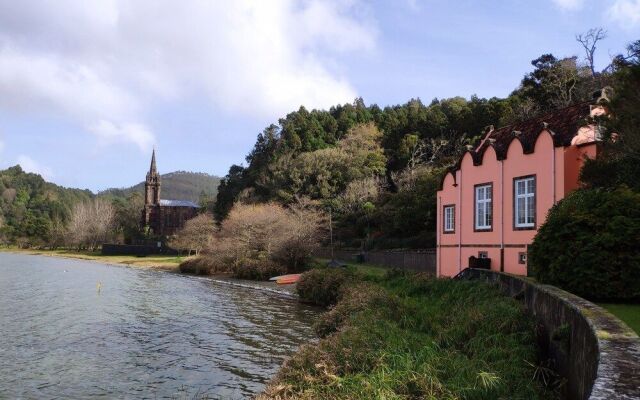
<point x="195" y="235"/>
<point x="302" y="226"/>
<point x="589" y="40"/>
<point x="127" y="215"/>
<point x="92" y="223"/>
<point x="325" y="173"/>
<point x="554" y="83"/>
<point x="230" y="187"/>
<point x="618" y="163"/>
<point x="258" y="241"/>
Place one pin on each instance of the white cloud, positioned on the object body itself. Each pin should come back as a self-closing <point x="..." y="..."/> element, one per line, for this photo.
<point x="105" y="63"/>
<point x="625" y="12"/>
<point x="569" y="4"/>
<point x="30" y="165"/>
<point x="109" y="132"/>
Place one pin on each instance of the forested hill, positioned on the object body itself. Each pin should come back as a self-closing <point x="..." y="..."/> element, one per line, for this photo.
<point x="30" y="207"/>
<point x="179" y="185"/>
<point x="378" y="168"/>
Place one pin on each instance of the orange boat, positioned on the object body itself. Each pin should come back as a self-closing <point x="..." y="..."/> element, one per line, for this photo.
<point x="286" y="279"/>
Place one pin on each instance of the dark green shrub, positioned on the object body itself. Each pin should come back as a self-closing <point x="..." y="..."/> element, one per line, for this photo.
<point x="590" y="245"/>
<point x="258" y="270"/>
<point x="322" y="286"/>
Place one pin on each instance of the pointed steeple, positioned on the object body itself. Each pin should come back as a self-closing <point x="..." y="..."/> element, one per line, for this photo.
<point x="152" y="185"/>
<point x="153" y="169"/>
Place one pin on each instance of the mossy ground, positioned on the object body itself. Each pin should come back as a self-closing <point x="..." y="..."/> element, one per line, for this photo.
<point x="407" y="336"/>
<point x="629" y="313"/>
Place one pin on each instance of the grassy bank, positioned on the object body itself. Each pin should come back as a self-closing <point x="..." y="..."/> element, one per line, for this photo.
<point x="411" y="337"/>
<point x="629" y="313"/>
<point x="168" y="263"/>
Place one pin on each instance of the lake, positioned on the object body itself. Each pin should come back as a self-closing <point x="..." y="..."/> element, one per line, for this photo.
<point x="76" y="329"/>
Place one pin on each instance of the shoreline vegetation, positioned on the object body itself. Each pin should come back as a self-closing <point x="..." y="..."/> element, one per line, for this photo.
<point x="393" y="334"/>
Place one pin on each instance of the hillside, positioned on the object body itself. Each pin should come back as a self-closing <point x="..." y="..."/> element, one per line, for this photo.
<point x="30" y="207"/>
<point x="378" y="168"/>
<point x="179" y="185"/>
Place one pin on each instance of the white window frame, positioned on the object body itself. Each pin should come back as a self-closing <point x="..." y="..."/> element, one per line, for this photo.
<point x="527" y="196"/>
<point x="449" y="218"/>
<point x="483" y="215"/>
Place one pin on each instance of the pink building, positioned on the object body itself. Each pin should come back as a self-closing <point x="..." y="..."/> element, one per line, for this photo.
<point x="492" y="202"/>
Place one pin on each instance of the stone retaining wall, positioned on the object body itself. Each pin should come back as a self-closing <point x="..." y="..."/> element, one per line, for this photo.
<point x="597" y="354"/>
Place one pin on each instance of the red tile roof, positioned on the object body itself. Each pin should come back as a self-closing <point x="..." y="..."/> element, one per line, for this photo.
<point x="563" y="123"/>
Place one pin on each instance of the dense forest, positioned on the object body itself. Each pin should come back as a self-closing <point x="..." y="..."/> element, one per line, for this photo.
<point x="378" y="169"/>
<point x="31" y="208"/>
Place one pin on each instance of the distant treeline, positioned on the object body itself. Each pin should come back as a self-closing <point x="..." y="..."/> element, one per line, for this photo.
<point x="34" y="212"/>
<point x="30" y="206"/>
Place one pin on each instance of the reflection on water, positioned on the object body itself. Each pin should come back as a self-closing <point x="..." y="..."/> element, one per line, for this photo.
<point x="145" y="334"/>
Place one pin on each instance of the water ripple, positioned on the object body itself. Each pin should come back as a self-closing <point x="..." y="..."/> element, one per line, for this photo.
<point x="147" y="334"/>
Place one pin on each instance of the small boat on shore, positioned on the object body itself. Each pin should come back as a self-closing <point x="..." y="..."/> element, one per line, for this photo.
<point x="286" y="279"/>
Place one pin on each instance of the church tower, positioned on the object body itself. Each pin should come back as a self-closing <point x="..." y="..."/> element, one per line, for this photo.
<point x="162" y="218"/>
<point x="152" y="185"/>
<point x="151" y="195"/>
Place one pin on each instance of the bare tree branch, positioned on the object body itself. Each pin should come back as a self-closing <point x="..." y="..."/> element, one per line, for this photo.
<point x="589" y="40"/>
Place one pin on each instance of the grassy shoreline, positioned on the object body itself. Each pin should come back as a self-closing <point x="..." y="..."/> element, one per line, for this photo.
<point x="405" y="336"/>
<point x="157" y="262"/>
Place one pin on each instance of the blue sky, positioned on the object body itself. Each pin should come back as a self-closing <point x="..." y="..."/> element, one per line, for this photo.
<point x="88" y="88"/>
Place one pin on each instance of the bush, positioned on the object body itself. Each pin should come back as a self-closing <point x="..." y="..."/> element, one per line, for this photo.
<point x="322" y="286"/>
<point x="195" y="234"/>
<point x="201" y="266"/>
<point x="258" y="241"/>
<point x="257" y="269"/>
<point x="589" y="245"/>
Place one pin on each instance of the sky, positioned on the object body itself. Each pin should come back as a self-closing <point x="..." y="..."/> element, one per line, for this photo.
<point x="88" y="88"/>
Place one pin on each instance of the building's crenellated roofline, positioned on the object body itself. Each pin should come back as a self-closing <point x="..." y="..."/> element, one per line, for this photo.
<point x="562" y="124"/>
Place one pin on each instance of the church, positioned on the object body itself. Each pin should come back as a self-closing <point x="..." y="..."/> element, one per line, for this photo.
<point x="163" y="217"/>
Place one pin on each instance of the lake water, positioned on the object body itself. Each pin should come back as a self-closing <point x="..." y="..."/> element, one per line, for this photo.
<point x="144" y="334"/>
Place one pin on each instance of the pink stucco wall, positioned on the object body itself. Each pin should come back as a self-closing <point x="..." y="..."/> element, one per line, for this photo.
<point x="556" y="170"/>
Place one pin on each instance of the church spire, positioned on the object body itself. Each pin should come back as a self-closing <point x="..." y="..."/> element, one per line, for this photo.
<point x="153" y="170"/>
<point x="152" y="185"/>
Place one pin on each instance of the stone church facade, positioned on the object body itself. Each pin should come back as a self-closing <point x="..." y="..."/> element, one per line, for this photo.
<point x="163" y="217"/>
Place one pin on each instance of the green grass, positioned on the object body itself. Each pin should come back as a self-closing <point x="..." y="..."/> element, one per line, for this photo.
<point x="403" y="336"/>
<point x="370" y="270"/>
<point x="629" y="313"/>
